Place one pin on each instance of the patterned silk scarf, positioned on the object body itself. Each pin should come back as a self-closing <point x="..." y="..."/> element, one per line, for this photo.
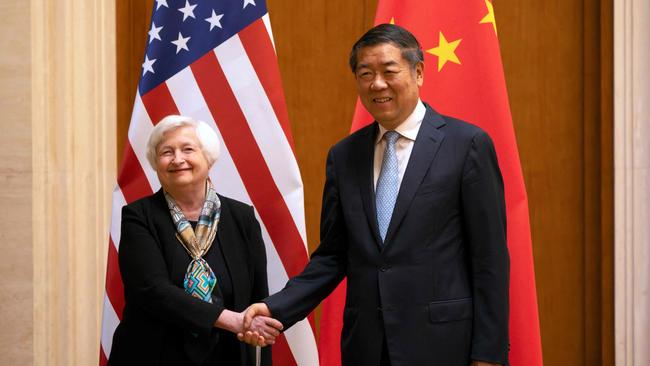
<point x="199" y="278"/>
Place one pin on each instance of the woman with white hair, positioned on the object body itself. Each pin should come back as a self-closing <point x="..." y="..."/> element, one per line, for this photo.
<point x="191" y="261"/>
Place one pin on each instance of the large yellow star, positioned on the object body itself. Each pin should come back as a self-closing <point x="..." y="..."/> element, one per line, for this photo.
<point x="446" y="51"/>
<point x="489" y="18"/>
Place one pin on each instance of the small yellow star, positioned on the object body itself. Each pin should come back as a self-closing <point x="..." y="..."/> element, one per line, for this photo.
<point x="392" y="20"/>
<point x="489" y="18"/>
<point x="446" y="51"/>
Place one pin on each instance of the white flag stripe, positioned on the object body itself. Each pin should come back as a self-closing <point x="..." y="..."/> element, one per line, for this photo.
<point x="139" y="131"/>
<point x="109" y="324"/>
<point x="300" y="337"/>
<point x="116" y="216"/>
<point x="187" y="96"/>
<point x="267" y="23"/>
<point x="110" y="319"/>
<point x="302" y="343"/>
<point x="264" y="125"/>
<point x="277" y="275"/>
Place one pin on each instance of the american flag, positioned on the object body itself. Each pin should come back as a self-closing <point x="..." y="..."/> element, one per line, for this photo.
<point x="215" y="60"/>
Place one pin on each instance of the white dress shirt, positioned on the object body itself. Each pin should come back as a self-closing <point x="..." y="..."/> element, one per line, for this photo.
<point x="408" y="131"/>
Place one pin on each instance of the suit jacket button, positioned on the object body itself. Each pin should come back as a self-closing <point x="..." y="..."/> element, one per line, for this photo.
<point x="383" y="269"/>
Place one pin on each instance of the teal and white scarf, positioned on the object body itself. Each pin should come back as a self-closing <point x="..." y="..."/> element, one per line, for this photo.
<point x="199" y="277"/>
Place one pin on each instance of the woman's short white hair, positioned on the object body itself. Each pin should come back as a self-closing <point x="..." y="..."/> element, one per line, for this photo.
<point x="208" y="138"/>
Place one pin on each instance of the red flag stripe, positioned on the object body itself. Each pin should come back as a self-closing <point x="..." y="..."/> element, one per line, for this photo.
<point x="132" y="180"/>
<point x="249" y="162"/>
<point x="282" y="354"/>
<point x="159" y="103"/>
<point x="260" y="52"/>
<point x="114" y="286"/>
<point x="330" y="326"/>
<point x="102" y="357"/>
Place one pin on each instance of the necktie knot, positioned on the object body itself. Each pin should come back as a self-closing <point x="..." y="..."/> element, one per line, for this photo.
<point x="391" y="137"/>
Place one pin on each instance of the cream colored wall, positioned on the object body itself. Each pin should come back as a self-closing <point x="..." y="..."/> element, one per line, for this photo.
<point x="57" y="139"/>
<point x="16" y="296"/>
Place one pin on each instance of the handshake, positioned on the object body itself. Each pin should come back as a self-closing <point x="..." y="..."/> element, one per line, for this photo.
<point x="253" y="326"/>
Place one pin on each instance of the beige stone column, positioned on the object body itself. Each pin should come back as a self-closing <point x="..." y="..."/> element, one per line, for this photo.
<point x="632" y="181"/>
<point x="73" y="159"/>
<point x="16" y="326"/>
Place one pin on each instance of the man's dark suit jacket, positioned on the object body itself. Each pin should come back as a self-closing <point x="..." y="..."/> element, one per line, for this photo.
<point x="438" y="288"/>
<point x="162" y="324"/>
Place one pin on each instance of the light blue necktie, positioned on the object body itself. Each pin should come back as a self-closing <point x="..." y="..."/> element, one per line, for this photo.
<point x="387" y="184"/>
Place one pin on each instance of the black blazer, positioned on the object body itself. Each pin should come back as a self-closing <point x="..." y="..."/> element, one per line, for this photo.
<point x="438" y="290"/>
<point x="161" y="324"/>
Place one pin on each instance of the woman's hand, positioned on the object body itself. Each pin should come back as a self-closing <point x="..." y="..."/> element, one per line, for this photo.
<point x="230" y="321"/>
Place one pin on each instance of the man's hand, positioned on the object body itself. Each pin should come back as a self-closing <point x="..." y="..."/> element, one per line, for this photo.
<point x="483" y="363"/>
<point x="259" y="325"/>
<point x="266" y="327"/>
<point x="254" y="310"/>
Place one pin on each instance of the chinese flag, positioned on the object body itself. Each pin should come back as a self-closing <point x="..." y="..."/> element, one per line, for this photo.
<point x="463" y="78"/>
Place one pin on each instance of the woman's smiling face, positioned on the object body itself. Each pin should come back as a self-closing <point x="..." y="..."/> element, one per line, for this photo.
<point x="180" y="159"/>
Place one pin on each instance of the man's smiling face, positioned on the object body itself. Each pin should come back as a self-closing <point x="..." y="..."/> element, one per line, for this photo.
<point x="388" y="86"/>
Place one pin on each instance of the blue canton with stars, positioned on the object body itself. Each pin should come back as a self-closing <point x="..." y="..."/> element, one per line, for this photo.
<point x="182" y="31"/>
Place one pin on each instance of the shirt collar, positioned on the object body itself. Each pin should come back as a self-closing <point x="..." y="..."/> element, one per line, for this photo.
<point x="411" y="125"/>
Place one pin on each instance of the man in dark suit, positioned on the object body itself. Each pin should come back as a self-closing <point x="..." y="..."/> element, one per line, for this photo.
<point x="414" y="215"/>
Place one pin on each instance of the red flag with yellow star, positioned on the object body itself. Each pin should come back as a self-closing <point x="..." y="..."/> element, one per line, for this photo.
<point x="464" y="79"/>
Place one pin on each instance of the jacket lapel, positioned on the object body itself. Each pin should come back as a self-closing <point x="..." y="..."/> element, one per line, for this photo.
<point x="424" y="151"/>
<point x="365" y="180"/>
<point x="229" y="239"/>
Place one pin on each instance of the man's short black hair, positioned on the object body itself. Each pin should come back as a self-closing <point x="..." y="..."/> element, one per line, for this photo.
<point x="393" y="34"/>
